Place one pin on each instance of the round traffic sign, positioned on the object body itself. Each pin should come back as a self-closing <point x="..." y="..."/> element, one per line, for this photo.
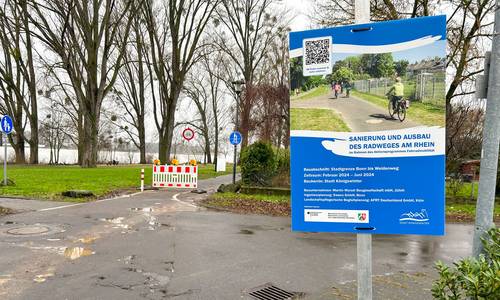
<point x="6" y="124"/>
<point x="235" y="138"/>
<point x="188" y="134"/>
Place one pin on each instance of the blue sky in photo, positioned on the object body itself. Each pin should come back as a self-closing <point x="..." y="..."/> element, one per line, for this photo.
<point x="437" y="48"/>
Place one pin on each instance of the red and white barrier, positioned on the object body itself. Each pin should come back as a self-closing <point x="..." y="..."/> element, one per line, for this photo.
<point x="175" y="176"/>
<point x="142" y="180"/>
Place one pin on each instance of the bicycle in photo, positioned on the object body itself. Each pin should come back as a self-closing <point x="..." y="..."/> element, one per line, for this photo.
<point x="400" y="109"/>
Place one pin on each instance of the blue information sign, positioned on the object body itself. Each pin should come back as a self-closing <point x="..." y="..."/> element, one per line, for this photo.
<point x="235" y="138"/>
<point x="6" y="124"/>
<point x="373" y="169"/>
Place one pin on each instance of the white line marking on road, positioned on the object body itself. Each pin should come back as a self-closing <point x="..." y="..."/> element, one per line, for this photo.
<point x="60" y="207"/>
<point x="174" y="197"/>
<point x="98" y="201"/>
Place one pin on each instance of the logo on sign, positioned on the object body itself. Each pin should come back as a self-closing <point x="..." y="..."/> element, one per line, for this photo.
<point x="415" y="216"/>
<point x="361" y="216"/>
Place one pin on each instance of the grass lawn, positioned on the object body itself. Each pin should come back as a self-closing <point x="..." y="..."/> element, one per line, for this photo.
<point x="462" y="191"/>
<point x="48" y="182"/>
<point x="423" y="113"/>
<point x="312" y="93"/>
<point x="317" y="119"/>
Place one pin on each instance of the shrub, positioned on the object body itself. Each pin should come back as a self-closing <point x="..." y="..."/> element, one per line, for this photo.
<point x="283" y="160"/>
<point x="258" y="164"/>
<point x="473" y="278"/>
<point x="282" y="177"/>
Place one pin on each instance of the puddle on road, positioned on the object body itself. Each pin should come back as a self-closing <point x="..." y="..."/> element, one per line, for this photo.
<point x="87" y="239"/>
<point x="145" y="209"/>
<point x="153" y="279"/>
<point x="128" y="259"/>
<point x="156" y="279"/>
<point x="117" y="222"/>
<point x="4" y="279"/>
<point x="43" y="277"/>
<point x="77" y="252"/>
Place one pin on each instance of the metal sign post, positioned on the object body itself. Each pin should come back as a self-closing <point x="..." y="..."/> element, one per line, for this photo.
<point x="364" y="241"/>
<point x="491" y="134"/>
<point x="7" y="126"/>
<point x="235" y="140"/>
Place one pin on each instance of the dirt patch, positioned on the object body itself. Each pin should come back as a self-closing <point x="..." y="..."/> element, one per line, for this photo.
<point x="5" y="211"/>
<point x="247" y="206"/>
<point x="466" y="218"/>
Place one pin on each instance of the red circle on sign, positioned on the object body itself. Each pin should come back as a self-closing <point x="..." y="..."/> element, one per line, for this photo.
<point x="188" y="134"/>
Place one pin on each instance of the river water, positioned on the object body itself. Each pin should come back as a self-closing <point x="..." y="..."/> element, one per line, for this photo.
<point x="70" y="156"/>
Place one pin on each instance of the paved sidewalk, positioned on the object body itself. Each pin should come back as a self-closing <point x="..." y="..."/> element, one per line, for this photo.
<point x="159" y="245"/>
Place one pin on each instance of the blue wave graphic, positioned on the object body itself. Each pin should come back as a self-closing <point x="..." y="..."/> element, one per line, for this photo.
<point x="415" y="216"/>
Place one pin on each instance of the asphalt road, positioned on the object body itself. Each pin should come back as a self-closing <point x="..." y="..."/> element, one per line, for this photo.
<point x="359" y="115"/>
<point x="160" y="245"/>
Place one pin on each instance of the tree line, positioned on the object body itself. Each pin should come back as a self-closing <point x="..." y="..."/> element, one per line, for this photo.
<point x="103" y="68"/>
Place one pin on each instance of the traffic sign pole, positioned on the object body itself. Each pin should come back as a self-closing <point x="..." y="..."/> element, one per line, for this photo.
<point x="235" y="139"/>
<point x="5" y="160"/>
<point x="364" y="240"/>
<point x="7" y="126"/>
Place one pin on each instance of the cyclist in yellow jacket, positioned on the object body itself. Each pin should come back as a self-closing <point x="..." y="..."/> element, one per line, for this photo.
<point x="396" y="92"/>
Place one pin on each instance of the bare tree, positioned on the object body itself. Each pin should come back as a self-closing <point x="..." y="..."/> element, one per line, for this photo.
<point x="83" y="34"/>
<point x="464" y="135"/>
<point x="130" y="92"/>
<point x="249" y="27"/>
<point x="175" y="30"/>
<point x="468" y="27"/>
<point x="53" y="132"/>
<point x="205" y="88"/>
<point x="18" y="79"/>
<point x="341" y="12"/>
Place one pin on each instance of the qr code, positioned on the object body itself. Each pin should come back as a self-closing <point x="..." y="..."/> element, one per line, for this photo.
<point x="317" y="52"/>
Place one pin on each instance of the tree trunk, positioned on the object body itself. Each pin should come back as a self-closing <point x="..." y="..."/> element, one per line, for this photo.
<point x="163" y="149"/>
<point x="33" y="117"/>
<point x="90" y="146"/>
<point x="216" y="147"/>
<point x="207" y="148"/>
<point x="19" y="150"/>
<point x="81" y="137"/>
<point x="142" y="141"/>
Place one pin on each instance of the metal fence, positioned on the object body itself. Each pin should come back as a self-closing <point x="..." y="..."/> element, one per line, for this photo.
<point x="425" y="87"/>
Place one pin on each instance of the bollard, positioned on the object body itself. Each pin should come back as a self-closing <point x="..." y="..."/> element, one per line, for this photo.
<point x="142" y="180"/>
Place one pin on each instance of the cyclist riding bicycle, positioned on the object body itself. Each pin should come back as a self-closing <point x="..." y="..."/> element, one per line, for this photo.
<point x="396" y="92"/>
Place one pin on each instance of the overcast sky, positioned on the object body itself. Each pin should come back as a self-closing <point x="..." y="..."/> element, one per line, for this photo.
<point x="300" y="8"/>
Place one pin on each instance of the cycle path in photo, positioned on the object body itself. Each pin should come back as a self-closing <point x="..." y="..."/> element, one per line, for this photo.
<point x="359" y="115"/>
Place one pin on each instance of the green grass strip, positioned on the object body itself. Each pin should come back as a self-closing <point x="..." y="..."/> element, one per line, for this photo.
<point x="317" y="119"/>
<point x="312" y="93"/>
<point x="423" y="113"/>
<point x="220" y="197"/>
<point x="48" y="182"/>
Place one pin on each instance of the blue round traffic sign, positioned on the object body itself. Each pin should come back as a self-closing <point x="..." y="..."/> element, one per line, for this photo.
<point x="235" y="138"/>
<point x="6" y="124"/>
